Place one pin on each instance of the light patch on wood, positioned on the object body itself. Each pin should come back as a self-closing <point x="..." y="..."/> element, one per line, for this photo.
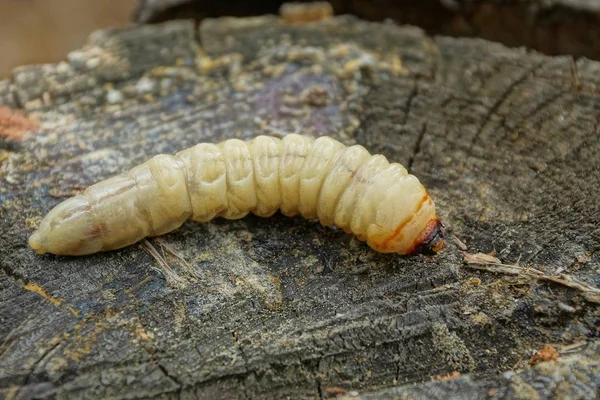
<point x="32" y="287"/>
<point x="56" y="301"/>
<point x="452" y="348"/>
<point x="447" y="377"/>
<point x="83" y="342"/>
<point x="141" y="333"/>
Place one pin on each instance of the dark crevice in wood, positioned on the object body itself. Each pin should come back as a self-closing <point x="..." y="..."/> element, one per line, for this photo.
<point x="14" y="274"/>
<point x="319" y="390"/>
<point x="16" y="99"/>
<point x="30" y="376"/>
<point x="417" y="148"/>
<point x="496" y="106"/>
<point x="168" y="374"/>
<point x="414" y="93"/>
<point x="171" y="10"/>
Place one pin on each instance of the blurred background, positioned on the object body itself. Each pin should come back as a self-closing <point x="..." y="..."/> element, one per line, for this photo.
<point x="44" y="31"/>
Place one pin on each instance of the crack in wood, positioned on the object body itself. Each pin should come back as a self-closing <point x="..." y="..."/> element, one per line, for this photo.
<point x="500" y="101"/>
<point x="168" y="374"/>
<point x="413" y="93"/>
<point x="538" y="108"/>
<point x="15" y="96"/>
<point x="29" y="376"/>
<point x="416" y="149"/>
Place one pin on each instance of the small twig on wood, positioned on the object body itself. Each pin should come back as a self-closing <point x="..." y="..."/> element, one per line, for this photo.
<point x="485" y="262"/>
<point x="138" y="285"/>
<point x="576" y="347"/>
<point x="459" y="243"/>
<point x="166" y="270"/>
<point x="166" y="246"/>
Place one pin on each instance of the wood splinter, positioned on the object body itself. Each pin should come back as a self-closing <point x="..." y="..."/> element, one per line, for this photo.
<point x="301" y="13"/>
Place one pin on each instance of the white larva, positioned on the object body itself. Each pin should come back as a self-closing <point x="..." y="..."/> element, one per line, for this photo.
<point x="365" y="195"/>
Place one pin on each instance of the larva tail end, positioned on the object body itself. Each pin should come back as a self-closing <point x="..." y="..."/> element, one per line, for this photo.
<point x="431" y="240"/>
<point x="35" y="241"/>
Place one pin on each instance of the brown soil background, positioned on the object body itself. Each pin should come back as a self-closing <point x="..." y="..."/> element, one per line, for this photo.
<point x="44" y="31"/>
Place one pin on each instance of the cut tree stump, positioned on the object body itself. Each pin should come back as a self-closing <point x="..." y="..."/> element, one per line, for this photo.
<point x="505" y="140"/>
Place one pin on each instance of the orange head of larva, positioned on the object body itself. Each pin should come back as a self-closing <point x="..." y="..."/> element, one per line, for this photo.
<point x="406" y="221"/>
<point x="431" y="239"/>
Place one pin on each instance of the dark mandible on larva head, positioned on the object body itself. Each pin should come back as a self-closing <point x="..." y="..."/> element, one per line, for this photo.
<point x="363" y="194"/>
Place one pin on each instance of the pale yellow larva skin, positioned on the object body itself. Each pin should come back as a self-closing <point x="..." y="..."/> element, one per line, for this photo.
<point x="365" y="195"/>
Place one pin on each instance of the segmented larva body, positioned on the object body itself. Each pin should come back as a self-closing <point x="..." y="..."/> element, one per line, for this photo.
<point x="344" y="186"/>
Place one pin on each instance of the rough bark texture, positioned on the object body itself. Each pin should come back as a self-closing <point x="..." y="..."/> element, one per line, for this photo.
<point x="505" y="140"/>
<point x="551" y="26"/>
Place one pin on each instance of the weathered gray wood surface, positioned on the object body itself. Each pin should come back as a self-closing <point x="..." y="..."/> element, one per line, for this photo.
<point x="505" y="140"/>
<point x="554" y="27"/>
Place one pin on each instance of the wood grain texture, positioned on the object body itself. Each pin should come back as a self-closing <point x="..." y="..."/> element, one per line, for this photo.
<point x="505" y="140"/>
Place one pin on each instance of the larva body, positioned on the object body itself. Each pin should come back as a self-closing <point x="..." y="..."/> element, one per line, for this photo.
<point x="377" y="201"/>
